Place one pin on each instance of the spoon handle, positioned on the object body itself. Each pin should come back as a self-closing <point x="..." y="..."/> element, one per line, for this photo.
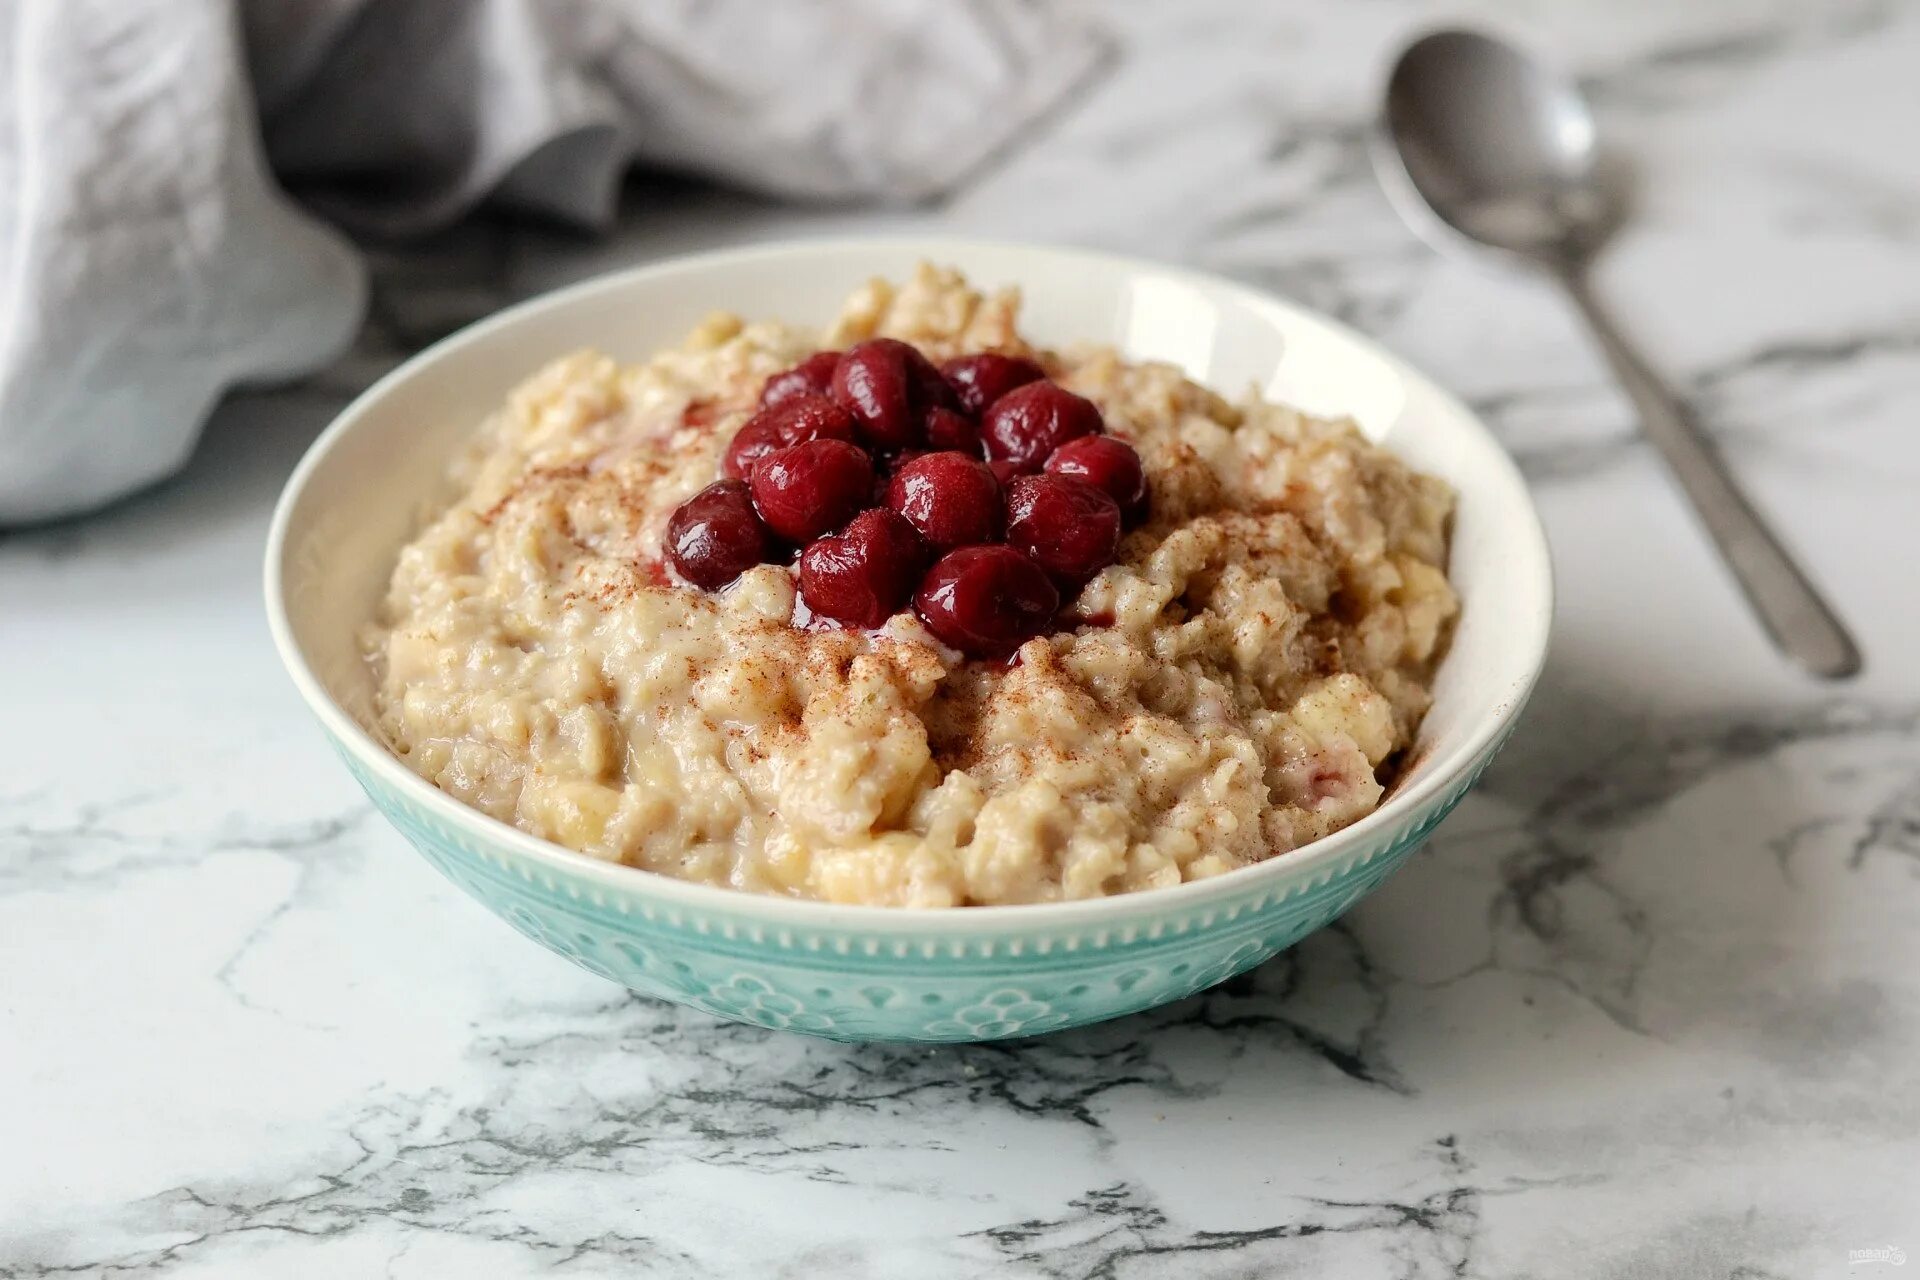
<point x="1800" y="622"/>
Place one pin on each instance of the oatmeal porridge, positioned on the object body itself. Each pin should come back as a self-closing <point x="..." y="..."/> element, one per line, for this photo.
<point x="912" y="612"/>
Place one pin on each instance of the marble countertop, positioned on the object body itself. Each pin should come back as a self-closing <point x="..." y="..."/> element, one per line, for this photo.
<point x="1647" y="1005"/>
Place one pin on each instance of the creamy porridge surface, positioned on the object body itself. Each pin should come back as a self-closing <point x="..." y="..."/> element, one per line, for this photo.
<point x="1230" y="689"/>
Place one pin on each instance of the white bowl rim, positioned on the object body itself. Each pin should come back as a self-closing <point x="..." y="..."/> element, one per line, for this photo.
<point x="1532" y="579"/>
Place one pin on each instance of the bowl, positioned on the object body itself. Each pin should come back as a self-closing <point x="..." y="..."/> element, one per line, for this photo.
<point x="884" y="973"/>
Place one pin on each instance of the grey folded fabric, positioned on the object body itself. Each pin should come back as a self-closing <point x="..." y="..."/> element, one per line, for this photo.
<point x="152" y="258"/>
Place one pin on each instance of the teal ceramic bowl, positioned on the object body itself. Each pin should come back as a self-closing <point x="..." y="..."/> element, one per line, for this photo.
<point x="875" y="973"/>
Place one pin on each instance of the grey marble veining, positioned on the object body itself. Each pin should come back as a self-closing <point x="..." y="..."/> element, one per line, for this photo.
<point x="1647" y="1005"/>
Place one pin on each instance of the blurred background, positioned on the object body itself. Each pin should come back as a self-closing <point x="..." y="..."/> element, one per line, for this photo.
<point x="240" y="214"/>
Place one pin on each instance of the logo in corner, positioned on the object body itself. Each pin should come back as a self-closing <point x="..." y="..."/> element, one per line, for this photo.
<point x="1892" y="1255"/>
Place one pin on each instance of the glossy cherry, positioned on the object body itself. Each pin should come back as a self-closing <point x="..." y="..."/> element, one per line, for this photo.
<point x="715" y="536"/>
<point x="794" y="420"/>
<point x="889" y="387"/>
<point x="1025" y="426"/>
<point x="987" y="600"/>
<point x="811" y="377"/>
<point x="982" y="378"/>
<point x="867" y="573"/>
<point x="1066" y="526"/>
<point x="950" y="498"/>
<point x="1109" y="465"/>
<point x="812" y="488"/>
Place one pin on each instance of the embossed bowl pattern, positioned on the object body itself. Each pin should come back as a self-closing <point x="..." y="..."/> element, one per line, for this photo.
<point x="893" y="980"/>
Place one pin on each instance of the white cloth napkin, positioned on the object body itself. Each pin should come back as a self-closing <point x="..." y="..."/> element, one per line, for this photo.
<point x="150" y="258"/>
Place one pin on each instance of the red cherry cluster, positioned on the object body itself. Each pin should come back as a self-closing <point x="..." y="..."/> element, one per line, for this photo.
<point x="977" y="491"/>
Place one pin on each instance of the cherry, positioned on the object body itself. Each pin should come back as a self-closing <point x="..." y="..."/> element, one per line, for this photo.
<point x="978" y="380"/>
<point x="1005" y="472"/>
<point x="950" y="498"/>
<point x="1109" y="465"/>
<point x="811" y="377"/>
<point x="811" y="488"/>
<point x="1028" y="423"/>
<point x="951" y="429"/>
<point x="986" y="600"/>
<point x="1068" y="527"/>
<point x="866" y="574"/>
<point x="794" y="420"/>
<point x="714" y="536"/>
<point x="889" y="386"/>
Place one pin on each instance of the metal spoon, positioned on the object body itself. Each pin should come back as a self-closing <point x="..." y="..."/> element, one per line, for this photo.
<point x="1503" y="151"/>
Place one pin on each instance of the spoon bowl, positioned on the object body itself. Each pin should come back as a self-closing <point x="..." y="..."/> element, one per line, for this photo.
<point x="1498" y="147"/>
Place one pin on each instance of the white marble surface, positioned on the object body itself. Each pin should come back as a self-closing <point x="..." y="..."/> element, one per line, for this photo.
<point x="1647" y="1005"/>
